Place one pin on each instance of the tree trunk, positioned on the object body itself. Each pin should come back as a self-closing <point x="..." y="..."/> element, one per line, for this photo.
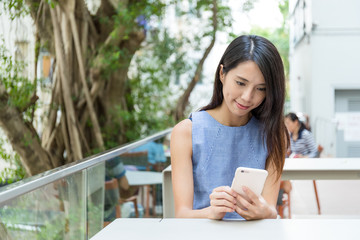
<point x="183" y="101"/>
<point x="65" y="84"/>
<point x="22" y="137"/>
<point x="80" y="91"/>
<point x="114" y="93"/>
<point x="89" y="103"/>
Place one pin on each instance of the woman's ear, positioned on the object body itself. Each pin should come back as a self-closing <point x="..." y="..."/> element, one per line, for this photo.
<point x="221" y="73"/>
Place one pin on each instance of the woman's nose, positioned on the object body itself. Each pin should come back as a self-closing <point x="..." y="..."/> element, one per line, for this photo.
<point x="247" y="95"/>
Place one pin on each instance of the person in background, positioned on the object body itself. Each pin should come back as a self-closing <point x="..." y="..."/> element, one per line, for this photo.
<point x="156" y="155"/>
<point x="304" y="118"/>
<point x="243" y="125"/>
<point x="114" y="168"/>
<point x="302" y="143"/>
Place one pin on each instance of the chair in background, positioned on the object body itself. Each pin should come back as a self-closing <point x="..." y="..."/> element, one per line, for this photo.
<point x="320" y="149"/>
<point x="140" y="161"/>
<point x="156" y="155"/>
<point x="112" y="185"/>
<point x="136" y="159"/>
<point x="317" y="197"/>
<point x="285" y="201"/>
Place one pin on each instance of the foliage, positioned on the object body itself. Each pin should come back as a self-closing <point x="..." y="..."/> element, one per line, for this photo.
<point x="134" y="17"/>
<point x="279" y="36"/>
<point x="15" y="171"/>
<point x="127" y="105"/>
<point x="15" y="8"/>
<point x="19" y="88"/>
<point x="142" y="114"/>
<point x="162" y="61"/>
<point x="154" y="68"/>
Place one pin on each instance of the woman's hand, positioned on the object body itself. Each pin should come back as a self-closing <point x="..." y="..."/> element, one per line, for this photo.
<point x="252" y="207"/>
<point x="222" y="200"/>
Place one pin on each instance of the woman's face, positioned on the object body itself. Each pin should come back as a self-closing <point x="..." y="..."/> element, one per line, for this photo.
<point x="290" y="125"/>
<point x="243" y="88"/>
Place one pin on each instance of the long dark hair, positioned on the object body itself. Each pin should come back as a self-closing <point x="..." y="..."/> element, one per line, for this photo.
<point x="293" y="117"/>
<point x="270" y="112"/>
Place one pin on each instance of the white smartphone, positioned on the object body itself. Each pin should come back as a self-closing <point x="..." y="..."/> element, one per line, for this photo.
<point x="252" y="178"/>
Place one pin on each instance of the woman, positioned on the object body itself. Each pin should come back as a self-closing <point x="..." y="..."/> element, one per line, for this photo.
<point x="241" y="126"/>
<point x="302" y="141"/>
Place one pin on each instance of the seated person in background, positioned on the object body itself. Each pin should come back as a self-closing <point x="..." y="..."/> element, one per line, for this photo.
<point x="302" y="142"/>
<point x="114" y="168"/>
<point x="156" y="154"/>
<point x="302" y="145"/>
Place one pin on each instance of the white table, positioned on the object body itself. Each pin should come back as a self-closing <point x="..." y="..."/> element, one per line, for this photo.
<point x="287" y="229"/>
<point x="294" y="169"/>
<point x="141" y="178"/>
<point x="321" y="168"/>
<point x="145" y="179"/>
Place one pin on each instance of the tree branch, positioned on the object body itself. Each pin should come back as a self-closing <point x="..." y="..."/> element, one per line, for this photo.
<point x="52" y="115"/>
<point x="184" y="99"/>
<point x="74" y="135"/>
<point x="89" y="103"/>
<point x="32" y="102"/>
<point x="22" y="137"/>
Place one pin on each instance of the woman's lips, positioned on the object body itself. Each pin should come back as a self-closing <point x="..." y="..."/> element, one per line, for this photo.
<point x="242" y="107"/>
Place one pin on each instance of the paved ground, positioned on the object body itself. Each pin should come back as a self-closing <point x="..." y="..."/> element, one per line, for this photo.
<point x="338" y="199"/>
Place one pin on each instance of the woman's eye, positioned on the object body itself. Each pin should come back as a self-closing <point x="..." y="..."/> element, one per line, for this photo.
<point x="262" y="89"/>
<point x="240" y="83"/>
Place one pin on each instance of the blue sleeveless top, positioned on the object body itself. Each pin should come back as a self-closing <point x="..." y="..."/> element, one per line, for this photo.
<point x="217" y="150"/>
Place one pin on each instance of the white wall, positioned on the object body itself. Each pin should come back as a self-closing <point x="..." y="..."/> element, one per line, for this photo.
<point x="336" y="13"/>
<point x="19" y="29"/>
<point x="336" y="62"/>
<point x="326" y="59"/>
<point x="300" y="77"/>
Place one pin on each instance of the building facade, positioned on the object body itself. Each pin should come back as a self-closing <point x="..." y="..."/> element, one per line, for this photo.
<point x="324" y="71"/>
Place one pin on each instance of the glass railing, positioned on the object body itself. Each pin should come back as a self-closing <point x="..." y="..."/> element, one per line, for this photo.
<point x="63" y="203"/>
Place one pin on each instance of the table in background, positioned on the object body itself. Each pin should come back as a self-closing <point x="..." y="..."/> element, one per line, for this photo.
<point x="279" y="229"/>
<point x="145" y="179"/>
<point x="321" y="169"/>
<point x="142" y="178"/>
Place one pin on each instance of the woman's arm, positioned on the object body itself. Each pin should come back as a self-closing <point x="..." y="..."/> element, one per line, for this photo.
<point x="264" y="206"/>
<point x="182" y="179"/>
<point x="181" y="168"/>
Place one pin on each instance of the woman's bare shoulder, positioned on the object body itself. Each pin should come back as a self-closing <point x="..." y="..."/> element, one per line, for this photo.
<point x="181" y="143"/>
<point x="183" y="128"/>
